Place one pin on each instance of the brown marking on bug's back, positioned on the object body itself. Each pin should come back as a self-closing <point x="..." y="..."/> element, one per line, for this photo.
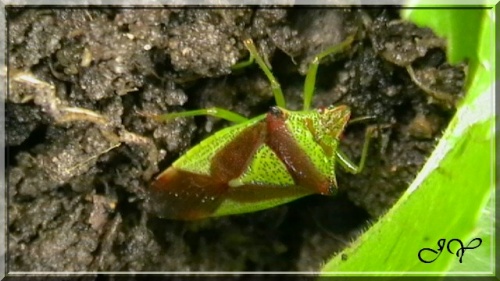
<point x="178" y="194"/>
<point x="298" y="164"/>
<point x="232" y="160"/>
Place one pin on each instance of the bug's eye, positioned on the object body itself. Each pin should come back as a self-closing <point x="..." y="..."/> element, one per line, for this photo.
<point x="276" y="111"/>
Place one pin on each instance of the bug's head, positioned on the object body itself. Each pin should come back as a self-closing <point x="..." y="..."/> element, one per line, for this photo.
<point x="334" y="119"/>
<point x="328" y="126"/>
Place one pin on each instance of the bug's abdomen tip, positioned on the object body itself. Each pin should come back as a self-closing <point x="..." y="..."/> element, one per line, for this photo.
<point x="182" y="195"/>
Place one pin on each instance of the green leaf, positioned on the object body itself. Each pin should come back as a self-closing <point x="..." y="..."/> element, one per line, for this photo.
<point x="450" y="25"/>
<point x="455" y="188"/>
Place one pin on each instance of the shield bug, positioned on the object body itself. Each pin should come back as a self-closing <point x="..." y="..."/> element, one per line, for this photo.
<point x="261" y="162"/>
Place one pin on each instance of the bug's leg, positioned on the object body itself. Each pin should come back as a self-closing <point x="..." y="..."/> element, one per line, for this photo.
<point x="244" y="64"/>
<point x="313" y="69"/>
<point x="360" y="119"/>
<point x="347" y="163"/>
<point x="212" y="111"/>
<point x="275" y="85"/>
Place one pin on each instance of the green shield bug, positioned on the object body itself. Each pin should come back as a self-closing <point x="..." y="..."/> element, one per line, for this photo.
<point x="261" y="162"/>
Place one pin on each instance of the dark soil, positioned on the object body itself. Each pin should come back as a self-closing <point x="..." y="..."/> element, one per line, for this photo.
<point x="81" y="154"/>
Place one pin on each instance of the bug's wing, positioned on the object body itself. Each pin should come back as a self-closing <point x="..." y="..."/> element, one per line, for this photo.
<point x="178" y="194"/>
<point x="256" y="197"/>
<point x="187" y="196"/>
<point x="196" y="184"/>
<point x="227" y="146"/>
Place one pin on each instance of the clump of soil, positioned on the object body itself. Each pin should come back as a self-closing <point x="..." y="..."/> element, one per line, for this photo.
<point x="81" y="153"/>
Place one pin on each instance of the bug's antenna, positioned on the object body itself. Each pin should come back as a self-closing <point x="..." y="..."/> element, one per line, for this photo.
<point x="275" y="85"/>
<point x="313" y="69"/>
